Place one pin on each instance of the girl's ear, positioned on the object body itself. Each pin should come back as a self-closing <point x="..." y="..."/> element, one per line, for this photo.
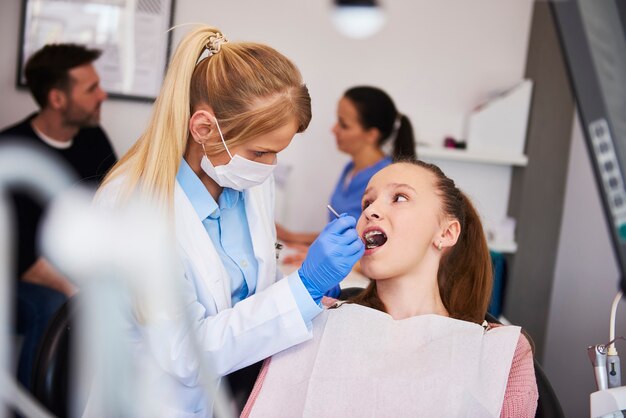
<point x="450" y="234"/>
<point x="201" y="126"/>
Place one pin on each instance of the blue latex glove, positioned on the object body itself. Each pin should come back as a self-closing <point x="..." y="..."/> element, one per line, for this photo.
<point x="331" y="256"/>
<point x="333" y="292"/>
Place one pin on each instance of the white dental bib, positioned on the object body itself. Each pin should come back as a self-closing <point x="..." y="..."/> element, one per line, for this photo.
<point x="363" y="363"/>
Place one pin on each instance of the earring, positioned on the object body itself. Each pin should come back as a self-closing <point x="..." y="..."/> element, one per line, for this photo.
<point x="439" y="246"/>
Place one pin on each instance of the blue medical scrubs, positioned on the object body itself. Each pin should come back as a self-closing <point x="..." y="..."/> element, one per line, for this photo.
<point x="347" y="197"/>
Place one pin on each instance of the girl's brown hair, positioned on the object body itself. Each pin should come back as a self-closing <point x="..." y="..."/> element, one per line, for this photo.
<point x="465" y="273"/>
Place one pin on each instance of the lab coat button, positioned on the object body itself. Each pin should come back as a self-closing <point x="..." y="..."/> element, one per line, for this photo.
<point x="244" y="263"/>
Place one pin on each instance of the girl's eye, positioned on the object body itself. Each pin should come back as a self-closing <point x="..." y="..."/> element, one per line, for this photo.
<point x="259" y="154"/>
<point x="400" y="198"/>
<point x="366" y="203"/>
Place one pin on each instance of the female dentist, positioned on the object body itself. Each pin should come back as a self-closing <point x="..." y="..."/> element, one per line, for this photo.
<point x="225" y="110"/>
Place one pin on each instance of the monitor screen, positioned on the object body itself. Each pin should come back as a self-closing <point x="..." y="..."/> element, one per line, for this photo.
<point x="593" y="39"/>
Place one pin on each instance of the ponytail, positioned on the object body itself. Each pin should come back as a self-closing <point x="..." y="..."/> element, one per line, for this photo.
<point x="376" y="110"/>
<point x="152" y="162"/>
<point x="403" y="143"/>
<point x="252" y="88"/>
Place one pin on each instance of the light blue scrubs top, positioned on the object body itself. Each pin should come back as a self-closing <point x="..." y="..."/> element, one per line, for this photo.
<point x="235" y="246"/>
<point x="347" y="198"/>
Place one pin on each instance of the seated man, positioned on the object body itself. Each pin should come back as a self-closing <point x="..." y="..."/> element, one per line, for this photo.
<point x="415" y="342"/>
<point x="66" y="86"/>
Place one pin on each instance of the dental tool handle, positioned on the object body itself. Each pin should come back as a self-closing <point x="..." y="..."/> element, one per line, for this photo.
<point x="333" y="211"/>
<point x="614" y="371"/>
<point x="601" y="378"/>
<point x="597" y="355"/>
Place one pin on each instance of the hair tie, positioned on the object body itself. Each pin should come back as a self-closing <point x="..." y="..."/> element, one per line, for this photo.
<point x="215" y="42"/>
<point x="397" y="122"/>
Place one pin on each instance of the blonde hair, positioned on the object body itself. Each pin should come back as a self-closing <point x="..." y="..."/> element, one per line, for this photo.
<point x="252" y="88"/>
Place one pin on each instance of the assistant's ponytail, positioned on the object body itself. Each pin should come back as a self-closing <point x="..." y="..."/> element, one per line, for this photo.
<point x="403" y="142"/>
<point x="377" y="110"/>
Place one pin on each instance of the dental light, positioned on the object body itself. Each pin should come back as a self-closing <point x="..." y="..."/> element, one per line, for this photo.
<point x="358" y="19"/>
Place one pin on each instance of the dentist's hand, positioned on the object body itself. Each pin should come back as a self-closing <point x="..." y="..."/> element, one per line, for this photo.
<point x="331" y="256"/>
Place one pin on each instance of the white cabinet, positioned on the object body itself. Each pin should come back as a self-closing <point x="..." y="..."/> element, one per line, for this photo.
<point x="481" y="157"/>
<point x="495" y="142"/>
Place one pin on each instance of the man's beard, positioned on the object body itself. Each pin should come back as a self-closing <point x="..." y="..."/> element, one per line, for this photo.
<point x="78" y="118"/>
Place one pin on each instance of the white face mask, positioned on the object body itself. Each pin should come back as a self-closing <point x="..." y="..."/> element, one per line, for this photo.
<point x="240" y="173"/>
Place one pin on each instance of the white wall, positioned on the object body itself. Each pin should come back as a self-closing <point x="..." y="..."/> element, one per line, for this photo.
<point x="585" y="281"/>
<point x="437" y="59"/>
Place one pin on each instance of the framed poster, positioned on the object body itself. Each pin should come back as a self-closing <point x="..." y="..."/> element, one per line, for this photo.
<point x="132" y="34"/>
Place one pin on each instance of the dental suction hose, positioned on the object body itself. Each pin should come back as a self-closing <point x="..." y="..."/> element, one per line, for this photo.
<point x="613" y="362"/>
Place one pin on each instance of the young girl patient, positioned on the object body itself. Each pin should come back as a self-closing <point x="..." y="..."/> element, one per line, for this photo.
<point x="415" y="342"/>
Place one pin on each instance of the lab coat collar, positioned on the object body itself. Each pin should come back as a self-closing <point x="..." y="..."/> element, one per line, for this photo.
<point x="197" y="244"/>
<point x="259" y="201"/>
<point x="199" y="196"/>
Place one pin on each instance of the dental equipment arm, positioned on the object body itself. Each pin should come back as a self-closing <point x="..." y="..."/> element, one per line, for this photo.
<point x="48" y="180"/>
<point x="610" y="398"/>
<point x="597" y="355"/>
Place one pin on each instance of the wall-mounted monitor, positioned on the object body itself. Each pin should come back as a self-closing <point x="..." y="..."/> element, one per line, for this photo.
<point x="593" y="39"/>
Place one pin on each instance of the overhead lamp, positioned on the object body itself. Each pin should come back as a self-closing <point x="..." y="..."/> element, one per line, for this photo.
<point x="358" y="19"/>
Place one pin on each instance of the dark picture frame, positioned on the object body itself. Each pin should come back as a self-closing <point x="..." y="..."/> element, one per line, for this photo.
<point x="135" y="42"/>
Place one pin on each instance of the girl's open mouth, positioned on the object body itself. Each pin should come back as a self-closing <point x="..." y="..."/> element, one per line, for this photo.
<point x="374" y="238"/>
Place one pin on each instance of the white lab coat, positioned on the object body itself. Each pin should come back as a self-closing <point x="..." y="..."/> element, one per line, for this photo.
<point x="230" y="337"/>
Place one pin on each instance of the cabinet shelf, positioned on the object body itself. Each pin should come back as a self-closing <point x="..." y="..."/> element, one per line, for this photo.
<point x="503" y="247"/>
<point x="461" y="155"/>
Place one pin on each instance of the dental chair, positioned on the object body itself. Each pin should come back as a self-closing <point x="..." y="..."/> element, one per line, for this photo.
<point x="548" y="405"/>
<point x="52" y="366"/>
<point x="242" y="382"/>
